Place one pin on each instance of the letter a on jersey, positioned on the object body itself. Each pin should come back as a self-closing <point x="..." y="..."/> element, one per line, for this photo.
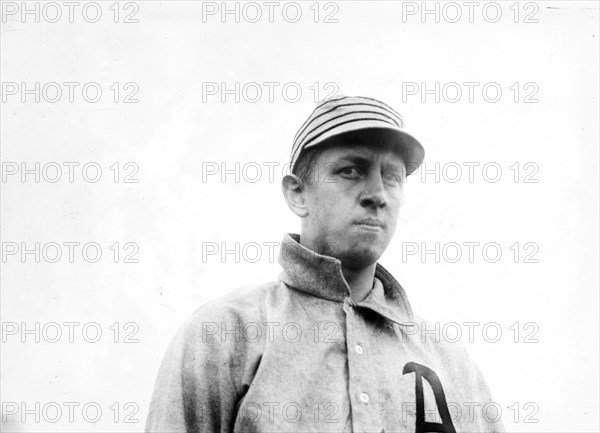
<point x="440" y="400"/>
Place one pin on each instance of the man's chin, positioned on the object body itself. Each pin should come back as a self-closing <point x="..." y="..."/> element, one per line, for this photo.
<point x="360" y="258"/>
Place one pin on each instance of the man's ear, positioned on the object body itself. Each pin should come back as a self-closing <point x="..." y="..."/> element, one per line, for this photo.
<point x="294" y="190"/>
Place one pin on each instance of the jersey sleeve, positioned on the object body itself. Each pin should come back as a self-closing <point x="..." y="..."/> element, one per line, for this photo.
<point x="491" y="421"/>
<point x="196" y="389"/>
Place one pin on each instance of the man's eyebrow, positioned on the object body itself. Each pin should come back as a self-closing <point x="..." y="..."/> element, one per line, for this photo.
<point x="363" y="161"/>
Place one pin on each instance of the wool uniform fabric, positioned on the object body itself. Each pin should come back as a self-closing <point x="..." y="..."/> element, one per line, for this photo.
<point x="299" y="355"/>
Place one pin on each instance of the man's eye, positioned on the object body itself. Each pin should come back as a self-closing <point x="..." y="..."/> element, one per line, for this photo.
<point x="349" y="172"/>
<point x="393" y="178"/>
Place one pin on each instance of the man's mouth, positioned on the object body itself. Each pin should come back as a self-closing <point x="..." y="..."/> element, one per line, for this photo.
<point x="373" y="224"/>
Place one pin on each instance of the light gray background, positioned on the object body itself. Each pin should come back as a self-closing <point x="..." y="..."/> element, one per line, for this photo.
<point x="171" y="212"/>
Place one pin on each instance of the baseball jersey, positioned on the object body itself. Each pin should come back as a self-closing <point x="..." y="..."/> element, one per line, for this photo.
<point x="299" y="355"/>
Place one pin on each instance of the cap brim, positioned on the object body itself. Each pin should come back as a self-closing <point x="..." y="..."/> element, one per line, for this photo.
<point x="408" y="147"/>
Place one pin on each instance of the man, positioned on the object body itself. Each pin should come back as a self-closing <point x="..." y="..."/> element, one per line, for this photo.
<point x="331" y="345"/>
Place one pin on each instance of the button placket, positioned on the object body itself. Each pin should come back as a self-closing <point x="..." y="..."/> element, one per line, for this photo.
<point x="363" y="407"/>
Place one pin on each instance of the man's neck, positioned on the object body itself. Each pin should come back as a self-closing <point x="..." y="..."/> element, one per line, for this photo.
<point x="360" y="281"/>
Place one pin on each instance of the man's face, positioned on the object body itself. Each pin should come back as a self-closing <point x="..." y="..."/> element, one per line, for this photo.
<point x="353" y="197"/>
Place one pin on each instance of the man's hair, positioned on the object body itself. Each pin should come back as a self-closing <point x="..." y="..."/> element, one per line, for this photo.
<point x="305" y="165"/>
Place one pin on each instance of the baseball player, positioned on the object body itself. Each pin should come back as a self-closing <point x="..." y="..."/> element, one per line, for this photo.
<point x="330" y="346"/>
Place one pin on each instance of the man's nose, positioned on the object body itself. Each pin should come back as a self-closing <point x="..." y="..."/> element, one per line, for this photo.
<point x="374" y="195"/>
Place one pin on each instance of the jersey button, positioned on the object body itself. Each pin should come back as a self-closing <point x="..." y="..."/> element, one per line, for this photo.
<point x="364" y="397"/>
<point x="359" y="349"/>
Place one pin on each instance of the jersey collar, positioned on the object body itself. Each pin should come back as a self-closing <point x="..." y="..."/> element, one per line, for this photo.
<point x="321" y="276"/>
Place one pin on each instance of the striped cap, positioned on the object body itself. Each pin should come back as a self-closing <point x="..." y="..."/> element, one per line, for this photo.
<point x="350" y="114"/>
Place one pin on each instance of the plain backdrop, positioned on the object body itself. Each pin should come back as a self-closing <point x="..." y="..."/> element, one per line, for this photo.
<point x="179" y="133"/>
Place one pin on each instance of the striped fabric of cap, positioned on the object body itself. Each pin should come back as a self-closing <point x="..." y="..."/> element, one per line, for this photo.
<point x="350" y="113"/>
